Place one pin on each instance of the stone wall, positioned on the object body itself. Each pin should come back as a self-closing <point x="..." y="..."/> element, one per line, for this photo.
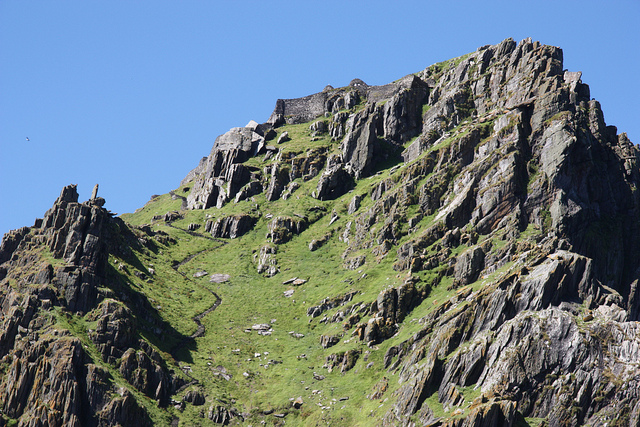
<point x="305" y="109"/>
<point x="298" y="110"/>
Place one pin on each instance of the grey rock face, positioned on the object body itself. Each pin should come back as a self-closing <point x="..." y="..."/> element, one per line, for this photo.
<point x="402" y="114"/>
<point x="278" y="178"/>
<point x="468" y="266"/>
<point x="218" y="179"/>
<point x="354" y="204"/>
<point x="337" y="125"/>
<point x="230" y="227"/>
<point x="282" y="229"/>
<point x="360" y="143"/>
<point x="115" y="331"/>
<point x="196" y="398"/>
<point x="69" y="194"/>
<point x="327" y="341"/>
<point x="242" y="139"/>
<point x="266" y="259"/>
<point x="334" y="182"/>
<point x="534" y="325"/>
<point x="318" y="128"/>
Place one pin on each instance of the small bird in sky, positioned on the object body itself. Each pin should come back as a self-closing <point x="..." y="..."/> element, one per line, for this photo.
<point x="27" y="138"/>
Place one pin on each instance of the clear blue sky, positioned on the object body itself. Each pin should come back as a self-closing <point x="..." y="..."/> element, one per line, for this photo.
<point x="131" y="94"/>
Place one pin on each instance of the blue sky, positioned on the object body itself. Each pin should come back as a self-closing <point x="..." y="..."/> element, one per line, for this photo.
<point x="131" y="94"/>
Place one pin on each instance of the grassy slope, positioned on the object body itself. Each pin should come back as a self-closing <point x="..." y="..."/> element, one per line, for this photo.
<point x="249" y="298"/>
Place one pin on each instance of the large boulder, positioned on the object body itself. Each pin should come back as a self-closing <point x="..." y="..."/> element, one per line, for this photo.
<point x="468" y="266"/>
<point x="333" y="183"/>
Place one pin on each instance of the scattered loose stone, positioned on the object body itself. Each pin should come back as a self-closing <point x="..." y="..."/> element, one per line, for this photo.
<point x="219" y="278"/>
<point x="298" y="402"/>
<point x="295" y="282"/>
<point x="334" y="217"/>
<point x="200" y="274"/>
<point x="261" y="327"/>
<point x="284" y="137"/>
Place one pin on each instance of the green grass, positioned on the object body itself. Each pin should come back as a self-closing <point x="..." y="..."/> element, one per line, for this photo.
<point x="159" y="205"/>
<point x="249" y="298"/>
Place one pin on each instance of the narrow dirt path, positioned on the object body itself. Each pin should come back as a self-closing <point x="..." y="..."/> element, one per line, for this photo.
<point x="197" y="319"/>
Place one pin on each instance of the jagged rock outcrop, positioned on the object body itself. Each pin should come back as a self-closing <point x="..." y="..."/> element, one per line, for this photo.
<point x="51" y="384"/>
<point x="282" y="229"/>
<point x="517" y="166"/>
<point x="391" y="115"/>
<point x="51" y="378"/>
<point x="222" y="415"/>
<point x="266" y="260"/>
<point x="230" y="227"/>
<point x="360" y="144"/>
<point x="143" y="369"/>
<point x="333" y="183"/>
<point x="344" y="361"/>
<point x="73" y="232"/>
<point x="468" y="266"/>
<point x="219" y="178"/>
<point x="115" y="329"/>
<point x="327" y="341"/>
<point x="329" y="303"/>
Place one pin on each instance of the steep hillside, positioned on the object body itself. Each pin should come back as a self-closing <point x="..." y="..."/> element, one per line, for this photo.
<point x="459" y="247"/>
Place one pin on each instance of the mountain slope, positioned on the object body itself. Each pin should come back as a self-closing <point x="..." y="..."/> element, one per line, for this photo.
<point x="459" y="247"/>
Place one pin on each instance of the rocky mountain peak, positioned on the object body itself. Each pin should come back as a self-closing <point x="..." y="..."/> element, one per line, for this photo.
<point x="458" y="247"/>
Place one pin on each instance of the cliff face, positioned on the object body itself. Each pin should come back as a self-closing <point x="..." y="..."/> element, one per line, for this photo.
<point x="463" y="244"/>
<point x="52" y="273"/>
